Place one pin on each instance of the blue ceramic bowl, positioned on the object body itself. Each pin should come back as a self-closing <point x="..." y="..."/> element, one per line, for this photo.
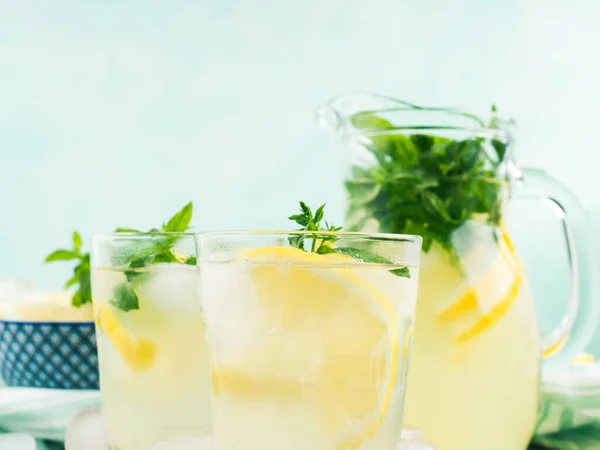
<point x="54" y="355"/>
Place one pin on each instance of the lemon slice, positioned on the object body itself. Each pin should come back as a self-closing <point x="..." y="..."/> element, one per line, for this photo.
<point x="139" y="354"/>
<point x="583" y="358"/>
<point x="336" y="350"/>
<point x="505" y="302"/>
<point x="556" y="347"/>
<point x="494" y="315"/>
<point x="491" y="296"/>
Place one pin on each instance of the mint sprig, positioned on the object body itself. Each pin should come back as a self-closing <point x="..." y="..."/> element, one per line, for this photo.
<point x="322" y="243"/>
<point x="146" y="252"/>
<point x="81" y="272"/>
<point x="310" y="222"/>
<point x="139" y="254"/>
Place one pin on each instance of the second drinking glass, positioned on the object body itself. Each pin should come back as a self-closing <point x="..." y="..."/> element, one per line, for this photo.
<point x="151" y="343"/>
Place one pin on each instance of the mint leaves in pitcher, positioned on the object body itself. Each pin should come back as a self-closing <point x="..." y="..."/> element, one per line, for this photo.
<point x="425" y="184"/>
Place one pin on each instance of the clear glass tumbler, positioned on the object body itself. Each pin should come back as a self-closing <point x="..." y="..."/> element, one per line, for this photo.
<point x="308" y="349"/>
<point x="154" y="375"/>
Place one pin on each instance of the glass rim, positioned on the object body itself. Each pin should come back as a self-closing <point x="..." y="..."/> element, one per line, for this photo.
<point x="337" y="116"/>
<point x="145" y="234"/>
<point x="390" y="237"/>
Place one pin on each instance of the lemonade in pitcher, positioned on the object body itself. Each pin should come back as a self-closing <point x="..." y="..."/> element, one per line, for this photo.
<point x="446" y="176"/>
<point x="308" y="337"/>
<point x="476" y="349"/>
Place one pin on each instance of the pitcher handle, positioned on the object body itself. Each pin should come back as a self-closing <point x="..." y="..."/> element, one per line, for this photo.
<point x="578" y="325"/>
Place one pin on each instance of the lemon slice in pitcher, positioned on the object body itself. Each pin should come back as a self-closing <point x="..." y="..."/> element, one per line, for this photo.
<point x="502" y="304"/>
<point x="336" y="352"/>
<point x="491" y="295"/>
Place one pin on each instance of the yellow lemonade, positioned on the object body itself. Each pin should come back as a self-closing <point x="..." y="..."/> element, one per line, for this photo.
<point x="153" y="364"/>
<point x="308" y="351"/>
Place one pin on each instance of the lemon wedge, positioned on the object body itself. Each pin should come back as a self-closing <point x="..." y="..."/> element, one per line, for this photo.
<point x="336" y="350"/>
<point x="139" y="354"/>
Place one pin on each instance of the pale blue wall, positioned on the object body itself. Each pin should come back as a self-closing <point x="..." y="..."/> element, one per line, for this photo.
<point x="117" y="115"/>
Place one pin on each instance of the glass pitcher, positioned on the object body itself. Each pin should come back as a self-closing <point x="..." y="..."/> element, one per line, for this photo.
<point x="447" y="175"/>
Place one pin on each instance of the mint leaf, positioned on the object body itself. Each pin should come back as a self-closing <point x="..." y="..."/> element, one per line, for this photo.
<point x="300" y="219"/>
<point x="82" y="278"/>
<point x="136" y="264"/>
<point x="370" y="257"/>
<point x="325" y="249"/>
<point x="180" y="221"/>
<point x="365" y="120"/>
<point x="306" y="210"/>
<point x="361" y="192"/>
<point x="77" y="299"/>
<point x="401" y="272"/>
<point x="76" y="241"/>
<point x="127" y="230"/>
<point x="297" y="241"/>
<point x="125" y="298"/>
<point x="62" y="255"/>
<point x="362" y="255"/>
<point x="83" y="270"/>
<point x="500" y="148"/>
<point x="319" y="213"/>
<point x="72" y="281"/>
<point x="435" y="205"/>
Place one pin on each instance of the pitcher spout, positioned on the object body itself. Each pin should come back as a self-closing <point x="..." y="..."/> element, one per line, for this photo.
<point x="337" y="114"/>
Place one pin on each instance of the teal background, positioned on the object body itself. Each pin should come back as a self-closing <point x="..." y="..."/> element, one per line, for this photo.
<point x="118" y="113"/>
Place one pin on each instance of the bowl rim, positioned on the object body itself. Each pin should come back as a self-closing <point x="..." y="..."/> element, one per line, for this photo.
<point x="47" y="322"/>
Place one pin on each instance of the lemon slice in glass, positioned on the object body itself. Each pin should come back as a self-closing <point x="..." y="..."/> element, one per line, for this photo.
<point x="139" y="354"/>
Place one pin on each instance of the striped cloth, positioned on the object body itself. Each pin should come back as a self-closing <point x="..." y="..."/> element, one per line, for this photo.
<point x="569" y="416"/>
<point x="569" y="413"/>
<point x="43" y="413"/>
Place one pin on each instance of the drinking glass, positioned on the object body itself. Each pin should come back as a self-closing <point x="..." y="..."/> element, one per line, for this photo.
<point x="151" y="345"/>
<point x="308" y="349"/>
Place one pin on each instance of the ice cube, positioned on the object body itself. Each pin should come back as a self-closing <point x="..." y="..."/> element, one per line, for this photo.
<point x="170" y="287"/>
<point x="412" y="439"/>
<point x="17" y="441"/>
<point x="186" y="443"/>
<point x="411" y="434"/>
<point x="86" y="432"/>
